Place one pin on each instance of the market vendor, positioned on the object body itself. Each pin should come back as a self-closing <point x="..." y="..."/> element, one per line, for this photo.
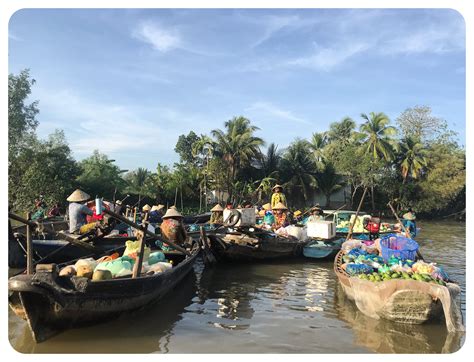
<point x="54" y="211"/>
<point x="156" y="214"/>
<point x="278" y="195"/>
<point x="77" y="211"/>
<point x="40" y="210"/>
<point x="316" y="214"/>
<point x="217" y="215"/>
<point x="280" y="214"/>
<point x="172" y="227"/>
<point x="410" y="223"/>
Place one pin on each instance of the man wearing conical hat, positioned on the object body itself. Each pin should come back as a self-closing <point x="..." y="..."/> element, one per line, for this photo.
<point x="281" y="219"/>
<point x="217" y="215"/>
<point x="316" y="214"/>
<point x="278" y="195"/>
<point x="410" y="223"/>
<point x="172" y="227"/>
<point x="77" y="211"/>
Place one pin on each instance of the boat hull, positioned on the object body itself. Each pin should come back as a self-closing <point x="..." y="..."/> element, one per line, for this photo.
<point x="322" y="249"/>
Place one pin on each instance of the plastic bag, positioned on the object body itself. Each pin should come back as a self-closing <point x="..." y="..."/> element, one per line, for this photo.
<point x="118" y="267"/>
<point x="354" y="269"/>
<point x="159" y="267"/>
<point x="350" y="244"/>
<point x="156" y="257"/>
<point x="89" y="262"/>
<point x="133" y="249"/>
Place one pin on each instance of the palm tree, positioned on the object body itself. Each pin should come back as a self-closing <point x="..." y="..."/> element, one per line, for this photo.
<point x="376" y="135"/>
<point x="342" y="131"/>
<point x="298" y="170"/>
<point x="137" y="182"/>
<point x="412" y="157"/>
<point x="237" y="146"/>
<point x="329" y="182"/>
<point x="271" y="161"/>
<point x="318" y="142"/>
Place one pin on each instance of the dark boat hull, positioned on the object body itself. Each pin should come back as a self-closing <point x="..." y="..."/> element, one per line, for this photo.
<point x="322" y="249"/>
<point x="55" y="304"/>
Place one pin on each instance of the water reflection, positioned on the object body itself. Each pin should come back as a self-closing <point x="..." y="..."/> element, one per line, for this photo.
<point x="147" y="330"/>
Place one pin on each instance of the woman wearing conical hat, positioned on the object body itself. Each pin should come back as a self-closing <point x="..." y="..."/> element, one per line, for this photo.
<point x="217" y="215"/>
<point x="278" y="195"/>
<point x="156" y="213"/>
<point x="172" y="227"/>
<point x="77" y="211"/>
<point x="410" y="223"/>
<point x="281" y="219"/>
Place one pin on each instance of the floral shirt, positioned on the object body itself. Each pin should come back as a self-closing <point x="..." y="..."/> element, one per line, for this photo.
<point x="173" y="230"/>
<point x="281" y="221"/>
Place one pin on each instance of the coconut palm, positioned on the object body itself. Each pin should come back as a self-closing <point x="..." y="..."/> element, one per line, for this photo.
<point x="329" y="182"/>
<point x="298" y="170"/>
<point x="318" y="142"/>
<point x="376" y="135"/>
<point x="137" y="181"/>
<point x="411" y="157"/>
<point x="237" y="146"/>
<point x="342" y="131"/>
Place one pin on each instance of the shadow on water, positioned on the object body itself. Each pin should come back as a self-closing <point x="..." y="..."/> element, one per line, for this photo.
<point x="143" y="331"/>
<point x="384" y="336"/>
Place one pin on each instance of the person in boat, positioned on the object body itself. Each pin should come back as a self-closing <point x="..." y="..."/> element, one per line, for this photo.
<point x="410" y="223"/>
<point x="278" y="196"/>
<point x="40" y="210"/>
<point x="372" y="225"/>
<point x="54" y="211"/>
<point x="217" y="215"/>
<point x="77" y="211"/>
<point x="280" y="214"/>
<point x="156" y="214"/>
<point x="316" y="214"/>
<point x="172" y="228"/>
<point x="268" y="217"/>
<point x="298" y="216"/>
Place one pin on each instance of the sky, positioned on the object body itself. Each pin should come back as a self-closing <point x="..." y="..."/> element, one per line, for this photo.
<point x="128" y="82"/>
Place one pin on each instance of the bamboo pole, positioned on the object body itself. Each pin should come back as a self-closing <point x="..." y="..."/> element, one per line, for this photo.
<point x="149" y="233"/>
<point x="135" y="214"/>
<point x="349" y="234"/>
<point x="29" y="247"/>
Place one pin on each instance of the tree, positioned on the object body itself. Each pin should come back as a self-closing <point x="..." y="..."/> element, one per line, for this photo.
<point x="184" y="147"/>
<point x="411" y="157"/>
<point x="298" y="170"/>
<point x="342" y="131"/>
<point x="318" y="142"/>
<point x="237" y="146"/>
<point x="46" y="168"/>
<point x="418" y="122"/>
<point x="21" y="116"/>
<point x="329" y="182"/>
<point x="99" y="176"/>
<point x="138" y="183"/>
<point x="376" y="135"/>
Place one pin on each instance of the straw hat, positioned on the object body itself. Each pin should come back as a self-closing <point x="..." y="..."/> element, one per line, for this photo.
<point x="276" y="186"/>
<point x="146" y="207"/>
<point x="267" y="206"/>
<point x="173" y="207"/>
<point x="78" y="196"/>
<point x="217" y="208"/>
<point x="409" y="216"/>
<point x="157" y="207"/>
<point x="280" y="206"/>
<point x="297" y="213"/>
<point x="171" y="213"/>
<point x="118" y="202"/>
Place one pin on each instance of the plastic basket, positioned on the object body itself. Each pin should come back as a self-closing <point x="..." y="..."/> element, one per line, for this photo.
<point x="399" y="247"/>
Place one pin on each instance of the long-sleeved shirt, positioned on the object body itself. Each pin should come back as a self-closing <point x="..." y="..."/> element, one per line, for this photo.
<point x="77" y="216"/>
<point x="278" y="197"/>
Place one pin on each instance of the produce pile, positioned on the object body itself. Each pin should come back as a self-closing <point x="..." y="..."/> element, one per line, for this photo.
<point x="114" y="265"/>
<point x="363" y="259"/>
<point x="344" y="225"/>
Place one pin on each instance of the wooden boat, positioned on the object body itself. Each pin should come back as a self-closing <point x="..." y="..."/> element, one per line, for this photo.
<point x="322" y="249"/>
<point x="403" y="301"/>
<point x="251" y="244"/>
<point x="50" y="303"/>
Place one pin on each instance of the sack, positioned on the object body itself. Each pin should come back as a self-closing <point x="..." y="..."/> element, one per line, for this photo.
<point x="159" y="267"/>
<point x="118" y="267"/>
<point x="156" y="257"/>
<point x="89" y="262"/>
<point x="350" y="244"/>
<point x="133" y="249"/>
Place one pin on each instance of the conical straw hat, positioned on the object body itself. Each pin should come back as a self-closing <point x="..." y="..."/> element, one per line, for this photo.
<point x="173" y="207"/>
<point x="267" y="206"/>
<point x="409" y="216"/>
<point x="172" y="213"/>
<point x="280" y="206"/>
<point x="78" y="196"/>
<point x="146" y="207"/>
<point x="157" y="207"/>
<point x="217" y="208"/>
<point x="274" y="187"/>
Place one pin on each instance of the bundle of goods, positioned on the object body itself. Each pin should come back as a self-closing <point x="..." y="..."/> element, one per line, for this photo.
<point x="115" y="266"/>
<point x="298" y="232"/>
<point x="392" y="257"/>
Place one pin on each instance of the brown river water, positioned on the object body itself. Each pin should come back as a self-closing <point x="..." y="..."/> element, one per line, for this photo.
<point x="278" y="307"/>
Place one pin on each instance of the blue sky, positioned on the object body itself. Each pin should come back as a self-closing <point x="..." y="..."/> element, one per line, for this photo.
<point x="129" y="82"/>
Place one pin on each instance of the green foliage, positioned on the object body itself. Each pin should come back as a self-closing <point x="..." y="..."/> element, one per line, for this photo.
<point x="184" y="147"/>
<point x="376" y="135"/>
<point x="329" y="181"/>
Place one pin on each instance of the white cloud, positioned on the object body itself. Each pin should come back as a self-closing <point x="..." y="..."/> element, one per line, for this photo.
<point x="267" y="108"/>
<point x="159" y="38"/>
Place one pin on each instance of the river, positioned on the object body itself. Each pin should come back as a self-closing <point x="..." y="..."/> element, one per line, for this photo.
<point x="278" y="307"/>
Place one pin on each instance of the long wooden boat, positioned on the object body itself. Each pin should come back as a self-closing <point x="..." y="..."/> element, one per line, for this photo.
<point x="241" y="244"/>
<point x="322" y="249"/>
<point x="403" y="301"/>
<point x="50" y="303"/>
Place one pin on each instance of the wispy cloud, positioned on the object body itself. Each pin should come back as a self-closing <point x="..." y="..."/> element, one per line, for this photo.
<point x="13" y="36"/>
<point x="158" y="37"/>
<point x="267" y="108"/>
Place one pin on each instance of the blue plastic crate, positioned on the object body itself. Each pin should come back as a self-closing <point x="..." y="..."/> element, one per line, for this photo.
<point x="399" y="247"/>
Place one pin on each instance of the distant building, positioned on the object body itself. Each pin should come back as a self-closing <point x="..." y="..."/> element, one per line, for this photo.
<point x="339" y="198"/>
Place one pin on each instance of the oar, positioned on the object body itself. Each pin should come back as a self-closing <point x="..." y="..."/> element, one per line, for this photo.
<point x="351" y="226"/>
<point x="404" y="229"/>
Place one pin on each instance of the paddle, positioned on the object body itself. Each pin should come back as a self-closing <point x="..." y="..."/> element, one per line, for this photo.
<point x="407" y="234"/>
